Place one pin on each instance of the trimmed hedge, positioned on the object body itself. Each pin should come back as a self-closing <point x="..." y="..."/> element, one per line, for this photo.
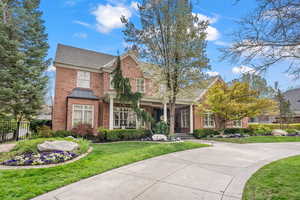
<point x="275" y="126"/>
<point x="203" y="133"/>
<point x="237" y="131"/>
<point x="121" y="134"/>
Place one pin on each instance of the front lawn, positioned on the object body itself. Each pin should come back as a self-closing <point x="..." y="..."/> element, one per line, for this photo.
<point x="28" y="183"/>
<point x="259" y="139"/>
<point x="277" y="181"/>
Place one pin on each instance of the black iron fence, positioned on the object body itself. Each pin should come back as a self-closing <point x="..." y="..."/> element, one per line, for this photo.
<point x="9" y="131"/>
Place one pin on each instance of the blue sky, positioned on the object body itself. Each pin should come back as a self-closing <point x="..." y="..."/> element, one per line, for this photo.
<point x="95" y="25"/>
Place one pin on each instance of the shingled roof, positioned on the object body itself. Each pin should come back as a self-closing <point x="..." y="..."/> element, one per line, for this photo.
<point x="83" y="94"/>
<point x="81" y="57"/>
<point x="294" y="97"/>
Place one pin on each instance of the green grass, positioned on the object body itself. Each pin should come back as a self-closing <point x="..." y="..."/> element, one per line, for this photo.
<point x="26" y="146"/>
<point x="28" y="183"/>
<point x="276" y="181"/>
<point x="258" y="139"/>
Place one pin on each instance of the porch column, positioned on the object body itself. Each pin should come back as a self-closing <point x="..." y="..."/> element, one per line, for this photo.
<point x="111" y="113"/>
<point x="191" y="119"/>
<point x="137" y="121"/>
<point x="165" y="113"/>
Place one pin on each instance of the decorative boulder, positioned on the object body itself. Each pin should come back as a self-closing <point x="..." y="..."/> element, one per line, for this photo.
<point x="59" y="145"/>
<point x="279" y="132"/>
<point x="159" y="137"/>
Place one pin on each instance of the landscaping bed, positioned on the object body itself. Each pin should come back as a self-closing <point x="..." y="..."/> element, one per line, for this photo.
<point x="26" y="153"/>
<point x="278" y="180"/>
<point x="27" y="183"/>
<point x="258" y="139"/>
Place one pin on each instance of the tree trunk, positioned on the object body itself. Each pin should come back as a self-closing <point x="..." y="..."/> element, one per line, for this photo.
<point x="16" y="133"/>
<point x="172" y="116"/>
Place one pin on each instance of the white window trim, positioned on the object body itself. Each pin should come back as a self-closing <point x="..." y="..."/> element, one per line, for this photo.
<point x="79" y="84"/>
<point x="73" y="108"/>
<point x="110" y="82"/>
<point x="209" y="119"/>
<point x="127" y="110"/>
<point x="237" y="126"/>
<point x="136" y="82"/>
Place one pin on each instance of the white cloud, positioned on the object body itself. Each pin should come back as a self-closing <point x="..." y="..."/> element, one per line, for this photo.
<point x="222" y="43"/>
<point x="211" y="20"/>
<point x="108" y="17"/>
<point x="134" y="5"/>
<point x="211" y="73"/>
<point x="212" y="33"/>
<point x="82" y="23"/>
<point x="80" y="35"/>
<point x="242" y="69"/>
<point x="51" y="68"/>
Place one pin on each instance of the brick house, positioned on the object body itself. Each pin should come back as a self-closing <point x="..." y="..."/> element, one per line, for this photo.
<point x="83" y="93"/>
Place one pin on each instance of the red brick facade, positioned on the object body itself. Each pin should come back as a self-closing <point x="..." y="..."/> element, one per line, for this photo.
<point x="66" y="81"/>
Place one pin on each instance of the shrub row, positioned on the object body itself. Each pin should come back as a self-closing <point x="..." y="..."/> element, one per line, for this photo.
<point x="203" y="133"/>
<point x="121" y="134"/>
<point x="275" y="126"/>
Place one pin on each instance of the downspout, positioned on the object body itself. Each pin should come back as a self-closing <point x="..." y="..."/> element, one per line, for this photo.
<point x="67" y="113"/>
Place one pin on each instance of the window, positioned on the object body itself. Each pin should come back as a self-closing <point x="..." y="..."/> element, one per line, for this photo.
<point x="82" y="114"/>
<point x="83" y="79"/>
<point x="184" y="118"/>
<point x="237" y="123"/>
<point x="124" y="117"/>
<point x="209" y="120"/>
<point x="110" y="82"/>
<point x="140" y="85"/>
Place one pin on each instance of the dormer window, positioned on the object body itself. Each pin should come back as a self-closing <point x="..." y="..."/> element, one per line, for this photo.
<point x="83" y="79"/>
<point x="140" y="85"/>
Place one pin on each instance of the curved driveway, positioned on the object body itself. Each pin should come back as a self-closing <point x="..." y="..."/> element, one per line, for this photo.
<point x="214" y="173"/>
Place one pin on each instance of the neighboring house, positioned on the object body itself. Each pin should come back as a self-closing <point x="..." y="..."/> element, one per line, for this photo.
<point x="84" y="93"/>
<point x="45" y="113"/>
<point x="293" y="96"/>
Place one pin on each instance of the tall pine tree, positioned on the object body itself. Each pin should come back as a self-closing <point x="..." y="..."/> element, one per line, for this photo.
<point x="23" y="51"/>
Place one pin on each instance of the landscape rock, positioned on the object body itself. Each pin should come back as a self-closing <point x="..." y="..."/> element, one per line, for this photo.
<point x="159" y="137"/>
<point x="279" y="132"/>
<point x="59" y="145"/>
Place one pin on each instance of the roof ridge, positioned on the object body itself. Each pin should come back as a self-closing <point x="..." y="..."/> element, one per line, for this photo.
<point x="93" y="51"/>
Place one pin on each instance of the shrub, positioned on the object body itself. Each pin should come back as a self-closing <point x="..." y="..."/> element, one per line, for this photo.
<point x="82" y="130"/>
<point x="291" y="130"/>
<point x="38" y="123"/>
<point x="237" y="131"/>
<point x="44" y="131"/>
<point x="161" y="128"/>
<point x="120" y="134"/>
<point x="203" y="133"/>
<point x="262" y="130"/>
<point x="62" y="133"/>
<point x="275" y="126"/>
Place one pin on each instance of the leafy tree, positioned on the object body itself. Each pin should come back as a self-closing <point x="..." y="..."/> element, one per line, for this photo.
<point x="258" y="83"/>
<point x="124" y="92"/>
<point x="172" y="37"/>
<point x="235" y="102"/>
<point x="23" y="48"/>
<point x="269" y="35"/>
<point x="285" y="112"/>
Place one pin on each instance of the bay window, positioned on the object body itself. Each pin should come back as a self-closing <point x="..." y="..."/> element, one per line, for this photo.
<point x="82" y="114"/>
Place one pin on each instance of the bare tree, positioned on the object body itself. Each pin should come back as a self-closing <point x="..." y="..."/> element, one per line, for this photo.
<point x="172" y="37"/>
<point x="269" y="35"/>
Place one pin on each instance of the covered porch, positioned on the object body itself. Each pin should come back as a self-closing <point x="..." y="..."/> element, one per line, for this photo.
<point x="121" y="116"/>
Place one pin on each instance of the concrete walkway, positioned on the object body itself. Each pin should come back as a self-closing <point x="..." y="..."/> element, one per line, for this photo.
<point x="215" y="173"/>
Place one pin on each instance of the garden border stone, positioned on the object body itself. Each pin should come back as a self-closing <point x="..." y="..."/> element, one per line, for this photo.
<point x="5" y="167"/>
